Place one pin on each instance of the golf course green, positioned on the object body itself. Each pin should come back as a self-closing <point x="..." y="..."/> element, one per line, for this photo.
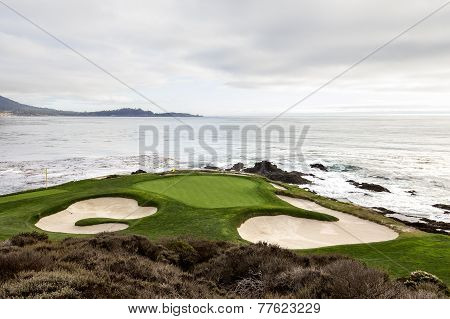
<point x="212" y="206"/>
<point x="208" y="191"/>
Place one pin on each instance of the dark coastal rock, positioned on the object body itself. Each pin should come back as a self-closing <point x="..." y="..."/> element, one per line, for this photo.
<point x="429" y="225"/>
<point x="271" y="171"/>
<point x="412" y="192"/>
<point x="384" y="211"/>
<point x="211" y="167"/>
<point x="139" y="171"/>
<point x="262" y="168"/>
<point x="442" y="206"/>
<point x="288" y="177"/>
<point x="237" y="167"/>
<point x="319" y="166"/>
<point x="369" y="186"/>
<point x="425" y="224"/>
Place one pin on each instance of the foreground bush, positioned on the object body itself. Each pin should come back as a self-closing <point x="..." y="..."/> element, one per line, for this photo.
<point x="114" y="266"/>
<point x="419" y="279"/>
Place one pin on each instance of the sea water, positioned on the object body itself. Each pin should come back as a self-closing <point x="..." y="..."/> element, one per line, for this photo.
<point x="404" y="153"/>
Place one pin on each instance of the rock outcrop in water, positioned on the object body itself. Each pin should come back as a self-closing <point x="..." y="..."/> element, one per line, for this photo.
<point x="211" y="167"/>
<point x="139" y="171"/>
<point x="442" y="206"/>
<point x="319" y="166"/>
<point x="237" y="167"/>
<point x="425" y="224"/>
<point x="271" y="171"/>
<point x="369" y="186"/>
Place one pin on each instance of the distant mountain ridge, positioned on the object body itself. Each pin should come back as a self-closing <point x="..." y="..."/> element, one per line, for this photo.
<point x="10" y="107"/>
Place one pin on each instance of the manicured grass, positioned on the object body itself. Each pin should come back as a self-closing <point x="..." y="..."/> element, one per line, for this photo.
<point x="429" y="252"/>
<point x="98" y="221"/>
<point x="212" y="206"/>
<point x="409" y="252"/>
<point x="13" y="198"/>
<point x="174" y="217"/>
<point x="348" y="208"/>
<point x="208" y="191"/>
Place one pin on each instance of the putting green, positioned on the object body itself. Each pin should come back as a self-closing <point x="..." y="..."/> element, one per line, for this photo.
<point x="213" y="206"/>
<point x="208" y="191"/>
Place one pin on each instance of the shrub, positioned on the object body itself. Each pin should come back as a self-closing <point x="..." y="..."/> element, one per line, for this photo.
<point x="14" y="262"/>
<point x="250" y="288"/>
<point x="183" y="254"/>
<point x="54" y="284"/>
<point x="25" y="239"/>
<point x="300" y="282"/>
<point x="352" y="279"/>
<point x="118" y="266"/>
<point x="245" y="261"/>
<point x="423" y="280"/>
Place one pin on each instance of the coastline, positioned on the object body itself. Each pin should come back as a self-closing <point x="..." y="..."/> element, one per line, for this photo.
<point x="426" y="225"/>
<point x="388" y="158"/>
<point x="212" y="205"/>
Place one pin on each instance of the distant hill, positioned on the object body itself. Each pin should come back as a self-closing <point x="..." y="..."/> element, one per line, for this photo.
<point x="10" y="107"/>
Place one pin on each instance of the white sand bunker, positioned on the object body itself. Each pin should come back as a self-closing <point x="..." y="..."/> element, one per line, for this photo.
<point x="104" y="207"/>
<point x="300" y="233"/>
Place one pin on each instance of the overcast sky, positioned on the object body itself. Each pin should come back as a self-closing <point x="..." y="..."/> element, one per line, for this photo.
<point x="227" y="57"/>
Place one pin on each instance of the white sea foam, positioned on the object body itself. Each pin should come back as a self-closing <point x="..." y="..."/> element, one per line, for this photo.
<point x="400" y="153"/>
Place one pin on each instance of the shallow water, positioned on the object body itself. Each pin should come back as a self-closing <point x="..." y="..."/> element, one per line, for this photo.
<point x="401" y="153"/>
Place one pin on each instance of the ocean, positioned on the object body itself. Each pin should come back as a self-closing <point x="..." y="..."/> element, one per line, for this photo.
<point x="407" y="154"/>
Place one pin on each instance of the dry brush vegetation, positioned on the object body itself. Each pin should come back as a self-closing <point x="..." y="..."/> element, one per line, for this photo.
<point x="120" y="266"/>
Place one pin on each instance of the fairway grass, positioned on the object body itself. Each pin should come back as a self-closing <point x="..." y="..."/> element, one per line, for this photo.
<point x="13" y="198"/>
<point x="409" y="252"/>
<point x="213" y="206"/>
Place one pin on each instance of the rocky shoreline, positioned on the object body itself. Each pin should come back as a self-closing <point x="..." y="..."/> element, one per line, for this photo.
<point x="271" y="171"/>
<point x="369" y="186"/>
<point x="425" y="224"/>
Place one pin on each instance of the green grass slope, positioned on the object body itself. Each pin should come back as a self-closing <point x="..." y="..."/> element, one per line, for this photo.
<point x="190" y="204"/>
<point x="209" y="191"/>
<point x="212" y="206"/>
<point x="410" y="252"/>
<point x="19" y="197"/>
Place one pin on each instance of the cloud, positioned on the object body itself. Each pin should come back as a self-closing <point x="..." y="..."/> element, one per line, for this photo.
<point x="214" y="57"/>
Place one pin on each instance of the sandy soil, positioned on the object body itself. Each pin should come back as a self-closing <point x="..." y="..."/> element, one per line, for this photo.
<point x="300" y="233"/>
<point x="105" y="207"/>
<point x="278" y="186"/>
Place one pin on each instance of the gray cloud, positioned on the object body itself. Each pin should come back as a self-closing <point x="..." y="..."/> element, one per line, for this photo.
<point x="210" y="56"/>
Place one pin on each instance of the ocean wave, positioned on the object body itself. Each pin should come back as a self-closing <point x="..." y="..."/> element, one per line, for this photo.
<point x="344" y="168"/>
<point x="20" y="176"/>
